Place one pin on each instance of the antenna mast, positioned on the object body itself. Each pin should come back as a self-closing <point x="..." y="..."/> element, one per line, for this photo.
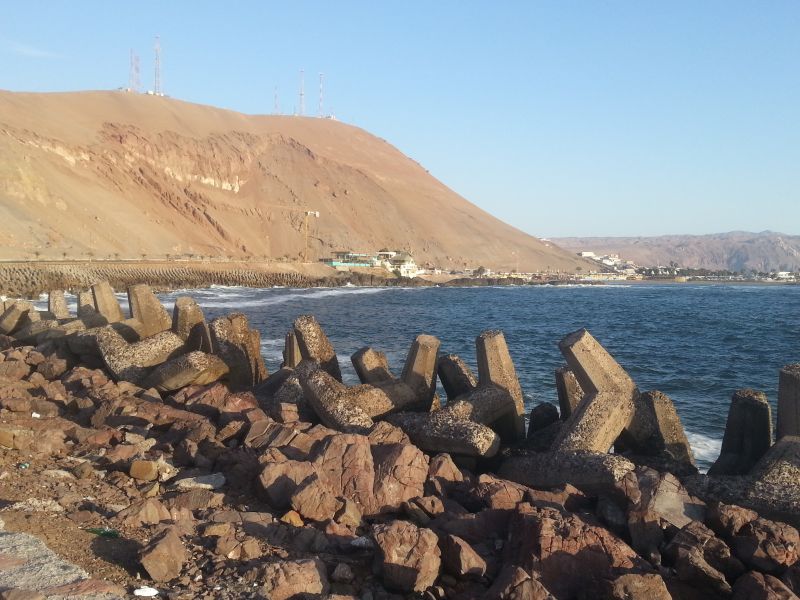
<point x="321" y="77"/>
<point x="157" y="83"/>
<point x="276" y="109"/>
<point x="133" y="74"/>
<point x="302" y="93"/>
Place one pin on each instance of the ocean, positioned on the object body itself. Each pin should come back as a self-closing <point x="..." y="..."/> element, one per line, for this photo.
<point x="695" y="343"/>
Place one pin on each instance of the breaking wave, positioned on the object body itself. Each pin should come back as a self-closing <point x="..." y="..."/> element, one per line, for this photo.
<point x="706" y="449"/>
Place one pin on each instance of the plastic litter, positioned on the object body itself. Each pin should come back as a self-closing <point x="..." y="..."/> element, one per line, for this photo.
<point x="23" y="465"/>
<point x="105" y="532"/>
<point x="145" y="591"/>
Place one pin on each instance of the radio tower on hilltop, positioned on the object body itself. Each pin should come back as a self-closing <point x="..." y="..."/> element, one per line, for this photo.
<point x="133" y="74"/>
<point x="276" y="108"/>
<point x="302" y="93"/>
<point x="157" y="83"/>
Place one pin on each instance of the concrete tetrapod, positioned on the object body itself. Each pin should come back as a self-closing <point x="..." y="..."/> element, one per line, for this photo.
<point x="315" y="345"/>
<point x="57" y="304"/>
<point x="189" y="323"/>
<point x="105" y="302"/>
<point x="146" y="309"/>
<point x="456" y="376"/>
<point x="569" y="391"/>
<point x="748" y="434"/>
<point x="240" y="347"/>
<point x="415" y="389"/>
<point x="789" y="401"/>
<point x="133" y="362"/>
<point x="608" y="404"/>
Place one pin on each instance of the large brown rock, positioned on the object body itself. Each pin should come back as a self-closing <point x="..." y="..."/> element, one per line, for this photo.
<point x="572" y="555"/>
<point x="344" y="464"/>
<point x="637" y="586"/>
<point x="295" y="579"/>
<point x="758" y="586"/>
<point x="164" y="557"/>
<point x="313" y="501"/>
<point x="460" y="559"/>
<point x="278" y="481"/>
<point x="767" y="546"/>
<point x="409" y="556"/>
<point x="400" y="474"/>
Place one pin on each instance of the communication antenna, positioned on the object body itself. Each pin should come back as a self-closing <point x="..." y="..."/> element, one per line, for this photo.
<point x="321" y="77"/>
<point x="302" y="93"/>
<point x="276" y="109"/>
<point x="157" y="83"/>
<point x="133" y="74"/>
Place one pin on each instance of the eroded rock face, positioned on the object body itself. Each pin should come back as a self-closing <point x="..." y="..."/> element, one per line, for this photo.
<point x="758" y="586"/>
<point x="571" y="554"/>
<point x="410" y="556"/>
<point x="288" y="579"/>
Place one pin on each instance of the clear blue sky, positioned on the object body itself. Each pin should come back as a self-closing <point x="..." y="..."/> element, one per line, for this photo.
<point x="563" y="118"/>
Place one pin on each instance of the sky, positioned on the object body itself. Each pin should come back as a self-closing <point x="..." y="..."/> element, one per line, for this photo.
<point x="569" y="118"/>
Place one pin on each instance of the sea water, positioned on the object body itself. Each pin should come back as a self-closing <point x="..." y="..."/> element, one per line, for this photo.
<point x="696" y="343"/>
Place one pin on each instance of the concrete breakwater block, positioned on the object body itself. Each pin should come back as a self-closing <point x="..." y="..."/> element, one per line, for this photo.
<point x="748" y="433"/>
<point x="789" y="401"/>
<point x="315" y="345"/>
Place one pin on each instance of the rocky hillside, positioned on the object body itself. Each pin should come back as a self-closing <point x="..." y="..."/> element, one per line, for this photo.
<point x="113" y="174"/>
<point x="734" y="251"/>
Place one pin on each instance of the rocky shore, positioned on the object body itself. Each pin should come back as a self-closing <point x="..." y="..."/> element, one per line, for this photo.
<point x="158" y="453"/>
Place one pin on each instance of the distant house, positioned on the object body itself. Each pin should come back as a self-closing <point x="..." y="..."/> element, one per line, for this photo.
<point x="405" y="264"/>
<point x="347" y="258"/>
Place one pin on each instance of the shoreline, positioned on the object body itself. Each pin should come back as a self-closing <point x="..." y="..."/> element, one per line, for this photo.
<point x="29" y="279"/>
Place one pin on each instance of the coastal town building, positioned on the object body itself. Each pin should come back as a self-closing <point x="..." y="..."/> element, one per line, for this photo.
<point x="397" y="261"/>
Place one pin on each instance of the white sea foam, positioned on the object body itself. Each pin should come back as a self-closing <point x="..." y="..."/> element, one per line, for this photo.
<point x="224" y="300"/>
<point x="706" y="449"/>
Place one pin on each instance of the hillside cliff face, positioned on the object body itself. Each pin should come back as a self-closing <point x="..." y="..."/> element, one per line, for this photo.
<point x="112" y="174"/>
<point x="734" y="251"/>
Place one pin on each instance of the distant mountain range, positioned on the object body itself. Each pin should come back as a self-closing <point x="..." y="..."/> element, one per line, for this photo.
<point x="733" y="251"/>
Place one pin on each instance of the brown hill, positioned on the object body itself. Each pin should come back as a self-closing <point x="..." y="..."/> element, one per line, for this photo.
<point x="117" y="174"/>
<point x="734" y="251"/>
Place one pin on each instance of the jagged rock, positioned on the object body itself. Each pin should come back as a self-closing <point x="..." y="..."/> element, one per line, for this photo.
<point x="164" y="556"/>
<point x="609" y="394"/>
<point x="789" y="401"/>
<point x="315" y="345"/>
<point x="344" y="464"/>
<point x="410" y="556"/>
<point x="758" y="586"/>
<point x="637" y="586"/>
<point x="52" y="368"/>
<point x="768" y="546"/>
<point x="664" y="495"/>
<point x="514" y="583"/>
<point x="194" y="368"/>
<point x="697" y="544"/>
<point x="313" y="501"/>
<point x="571" y="555"/>
<point x="240" y="347"/>
<point x="460" y="559"/>
<point x="293" y="579"/>
<point x="748" y="434"/>
<point x="278" y="481"/>
<point x="148" y="511"/>
<point x="400" y="474"/>
<point x="146" y="309"/>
